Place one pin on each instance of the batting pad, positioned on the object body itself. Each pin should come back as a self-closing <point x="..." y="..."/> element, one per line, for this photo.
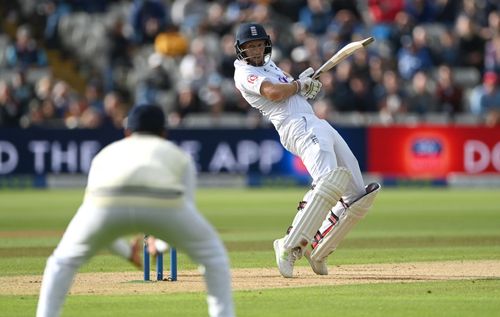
<point x="347" y="221"/>
<point x="326" y="194"/>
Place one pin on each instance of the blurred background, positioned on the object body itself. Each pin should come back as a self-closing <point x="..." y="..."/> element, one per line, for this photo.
<point x="419" y="106"/>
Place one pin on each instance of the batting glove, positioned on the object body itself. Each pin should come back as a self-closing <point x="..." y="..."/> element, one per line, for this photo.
<point x="307" y="73"/>
<point x="308" y="87"/>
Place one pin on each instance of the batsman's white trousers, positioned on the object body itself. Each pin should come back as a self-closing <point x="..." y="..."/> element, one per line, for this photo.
<point x="321" y="149"/>
<point x="96" y="226"/>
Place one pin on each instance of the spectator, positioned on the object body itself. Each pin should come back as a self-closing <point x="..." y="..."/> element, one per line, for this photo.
<point x="422" y="11"/>
<point x="186" y="102"/>
<point x="360" y="64"/>
<point x="402" y="28"/>
<point x="447" y="51"/>
<point x="343" y="98"/>
<point x="77" y="106"/>
<point x="347" y="5"/>
<point x="42" y="115"/>
<point x="329" y="89"/>
<point x="448" y="94"/>
<point x="485" y="97"/>
<point x="118" y="54"/>
<point x="413" y="56"/>
<point x="188" y="15"/>
<point x="239" y="10"/>
<point x="10" y="109"/>
<point x="316" y="16"/>
<point x="226" y="66"/>
<point x="91" y="118"/>
<point x="148" y="18"/>
<point x="33" y="117"/>
<point x="391" y="99"/>
<point x="61" y="97"/>
<point x="470" y="44"/>
<point x="343" y="26"/>
<point x="94" y="94"/>
<point x="493" y="24"/>
<point x="263" y="14"/>
<point x="171" y="42"/>
<point x="23" y="91"/>
<point x="43" y="87"/>
<point x="25" y="53"/>
<point x="381" y="16"/>
<point x="446" y="11"/>
<point x="384" y="11"/>
<point x="215" y="19"/>
<point x="197" y="64"/>
<point x="474" y="10"/>
<point x="53" y="11"/>
<point x="155" y="80"/>
<point x="492" y="118"/>
<point x="115" y="110"/>
<point x="212" y="97"/>
<point x="492" y="54"/>
<point x="50" y="118"/>
<point x="376" y="70"/>
<point x="362" y="96"/>
<point x="421" y="100"/>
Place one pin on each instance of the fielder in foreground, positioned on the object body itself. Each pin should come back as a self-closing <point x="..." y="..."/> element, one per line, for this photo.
<point x="338" y="198"/>
<point x="142" y="183"/>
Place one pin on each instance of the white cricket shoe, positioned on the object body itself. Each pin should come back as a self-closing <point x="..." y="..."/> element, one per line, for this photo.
<point x="285" y="259"/>
<point x="319" y="267"/>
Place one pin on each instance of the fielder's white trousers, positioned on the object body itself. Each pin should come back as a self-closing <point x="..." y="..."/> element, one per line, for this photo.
<point x="94" y="227"/>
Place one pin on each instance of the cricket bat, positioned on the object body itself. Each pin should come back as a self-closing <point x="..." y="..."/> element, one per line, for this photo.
<point x="342" y="54"/>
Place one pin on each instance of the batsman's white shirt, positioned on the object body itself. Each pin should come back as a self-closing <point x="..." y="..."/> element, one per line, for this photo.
<point x="314" y="140"/>
<point x="146" y="184"/>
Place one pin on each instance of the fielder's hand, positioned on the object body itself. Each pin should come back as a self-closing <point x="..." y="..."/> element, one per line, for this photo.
<point x="309" y="87"/>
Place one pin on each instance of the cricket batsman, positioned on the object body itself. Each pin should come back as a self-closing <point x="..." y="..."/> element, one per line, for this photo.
<point x="338" y="198"/>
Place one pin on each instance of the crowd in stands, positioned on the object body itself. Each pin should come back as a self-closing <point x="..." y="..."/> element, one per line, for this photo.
<point x="431" y="59"/>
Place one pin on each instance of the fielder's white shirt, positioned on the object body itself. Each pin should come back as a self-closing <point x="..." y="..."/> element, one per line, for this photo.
<point x="142" y="165"/>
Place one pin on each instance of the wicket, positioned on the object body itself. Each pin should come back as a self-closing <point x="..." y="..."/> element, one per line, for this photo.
<point x="159" y="264"/>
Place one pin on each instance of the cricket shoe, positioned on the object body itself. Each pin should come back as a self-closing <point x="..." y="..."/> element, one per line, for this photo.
<point x="285" y="259"/>
<point x="319" y="267"/>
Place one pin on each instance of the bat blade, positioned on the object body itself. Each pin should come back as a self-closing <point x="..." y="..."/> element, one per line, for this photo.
<point x="342" y="54"/>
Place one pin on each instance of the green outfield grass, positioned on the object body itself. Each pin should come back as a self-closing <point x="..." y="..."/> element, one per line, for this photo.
<point x="406" y="225"/>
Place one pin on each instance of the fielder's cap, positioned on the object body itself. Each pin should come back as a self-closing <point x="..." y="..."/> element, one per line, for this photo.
<point x="146" y="118"/>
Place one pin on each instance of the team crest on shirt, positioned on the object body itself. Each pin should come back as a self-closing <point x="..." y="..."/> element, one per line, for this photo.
<point x="251" y="78"/>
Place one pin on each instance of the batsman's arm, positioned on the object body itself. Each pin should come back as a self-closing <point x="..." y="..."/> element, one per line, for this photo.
<point x="279" y="92"/>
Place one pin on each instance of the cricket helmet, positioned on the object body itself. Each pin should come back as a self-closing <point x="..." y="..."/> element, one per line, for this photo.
<point x="248" y="32"/>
